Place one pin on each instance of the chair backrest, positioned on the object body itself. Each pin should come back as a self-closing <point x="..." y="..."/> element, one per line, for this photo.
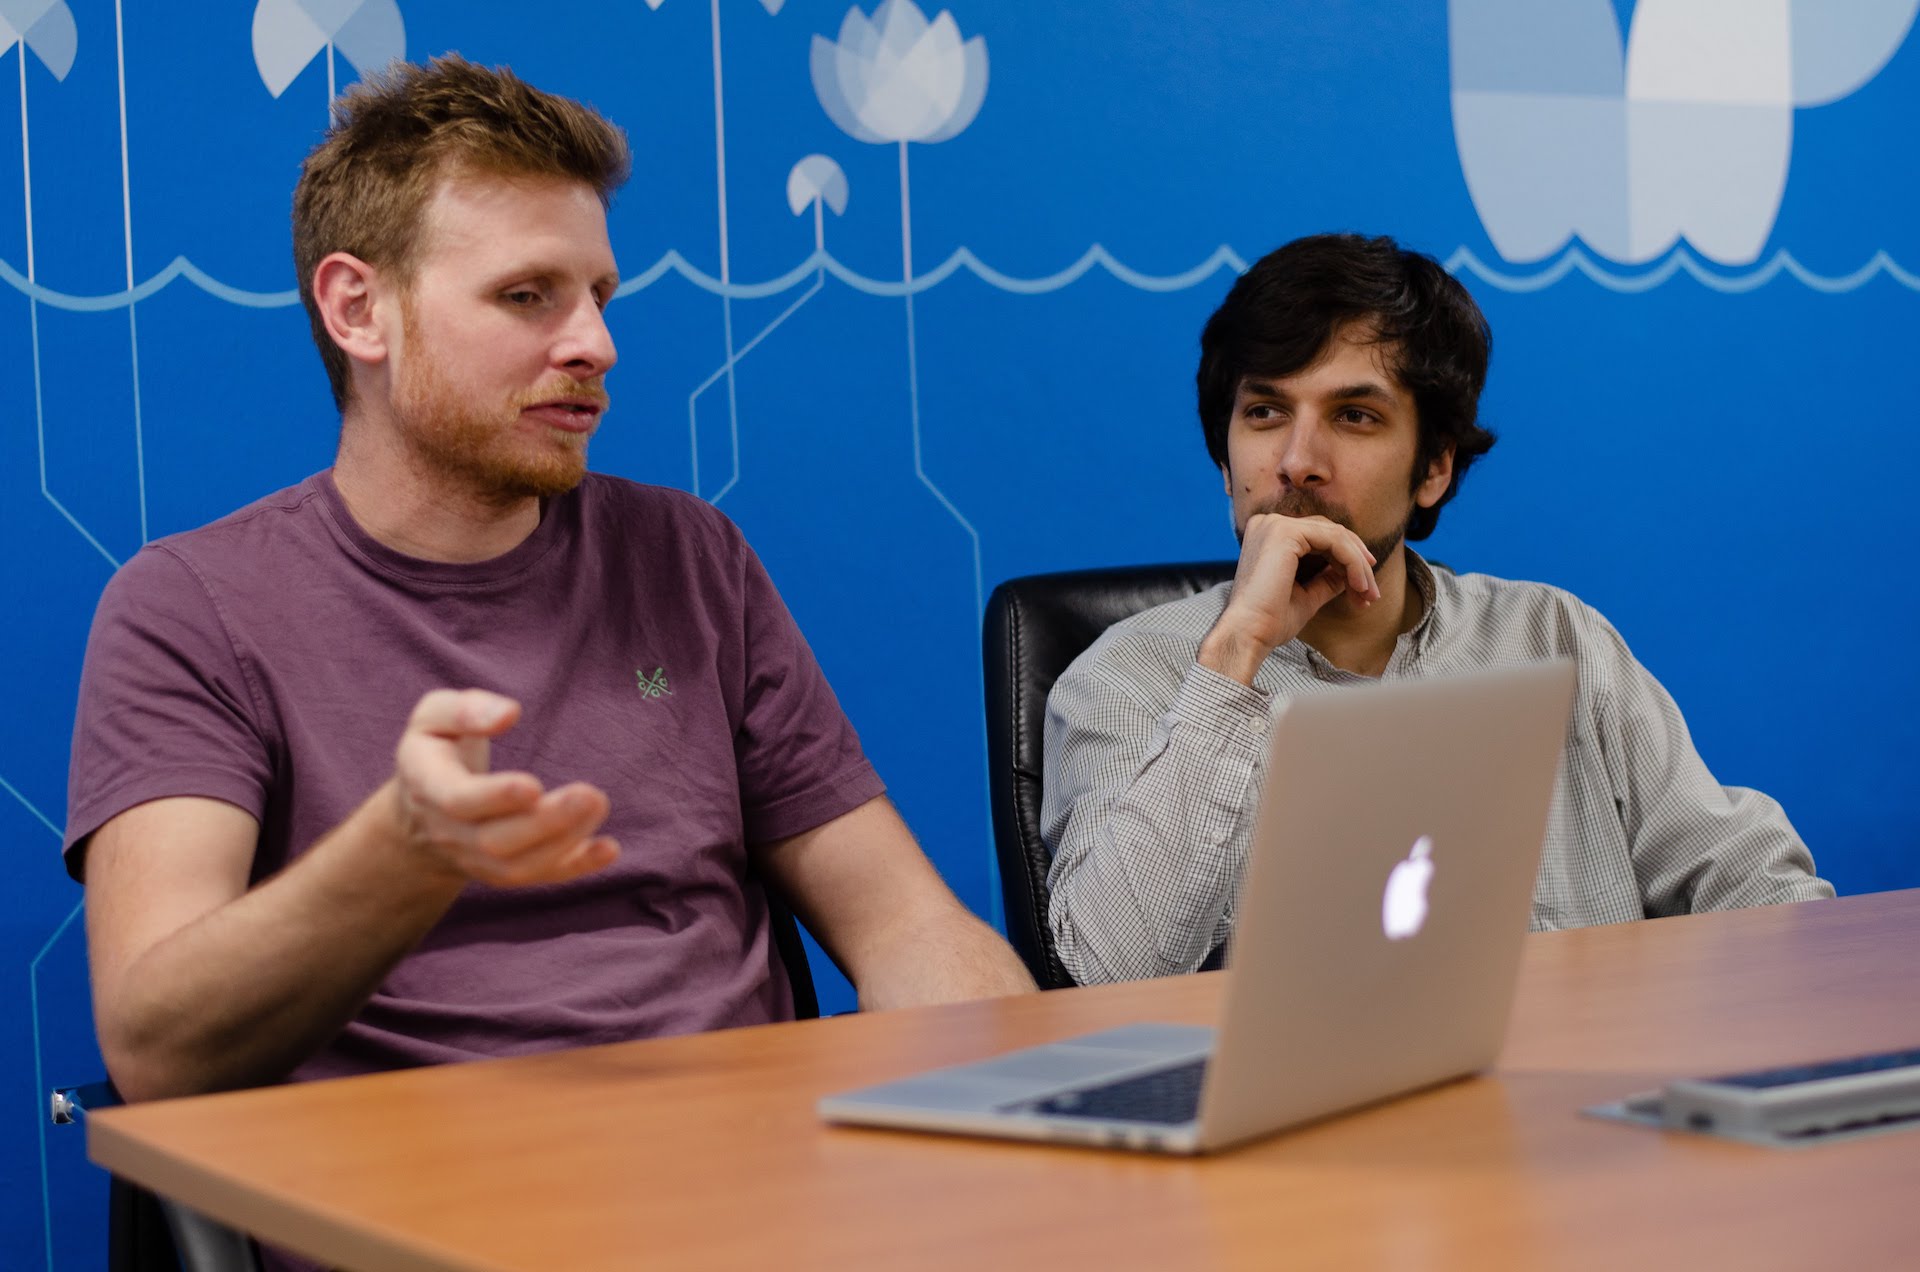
<point x="1035" y="627"/>
<point x="786" y="940"/>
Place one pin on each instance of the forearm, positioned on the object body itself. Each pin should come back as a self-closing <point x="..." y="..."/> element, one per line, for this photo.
<point x="250" y="989"/>
<point x="1149" y="849"/>
<point x="1746" y="852"/>
<point x="863" y="887"/>
<point x="940" y="954"/>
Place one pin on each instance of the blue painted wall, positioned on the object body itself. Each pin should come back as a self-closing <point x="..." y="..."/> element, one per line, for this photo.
<point x="1715" y="446"/>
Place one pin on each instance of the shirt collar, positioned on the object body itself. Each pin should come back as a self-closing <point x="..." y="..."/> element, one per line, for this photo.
<point x="1420" y="574"/>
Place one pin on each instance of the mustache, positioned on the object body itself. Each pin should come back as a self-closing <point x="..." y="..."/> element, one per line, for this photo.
<point x="593" y="391"/>
<point x="1304" y="503"/>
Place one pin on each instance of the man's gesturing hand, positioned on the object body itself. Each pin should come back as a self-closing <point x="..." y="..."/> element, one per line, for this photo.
<point x="500" y="828"/>
<point x="1271" y="600"/>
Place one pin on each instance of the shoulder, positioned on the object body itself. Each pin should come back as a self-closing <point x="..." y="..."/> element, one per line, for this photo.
<point x="1184" y="621"/>
<point x="290" y="512"/>
<point x="1501" y="611"/>
<point x="662" y="514"/>
<point x="263" y="540"/>
<point x="1513" y="620"/>
<point x="665" y="542"/>
<point x="1147" y="654"/>
<point x="173" y="571"/>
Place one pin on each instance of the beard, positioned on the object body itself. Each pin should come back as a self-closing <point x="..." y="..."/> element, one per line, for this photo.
<point x="1305" y="503"/>
<point x="488" y="449"/>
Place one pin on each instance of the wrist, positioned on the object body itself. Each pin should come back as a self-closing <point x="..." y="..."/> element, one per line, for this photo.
<point x="1233" y="653"/>
<point x="395" y="837"/>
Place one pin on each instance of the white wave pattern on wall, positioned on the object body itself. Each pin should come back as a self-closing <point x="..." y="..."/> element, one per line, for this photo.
<point x="1573" y="260"/>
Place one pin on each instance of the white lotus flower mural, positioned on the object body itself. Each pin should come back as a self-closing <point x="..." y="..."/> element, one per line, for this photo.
<point x="897" y="77"/>
<point x="289" y="34"/>
<point x="1681" y="129"/>
<point x="814" y="181"/>
<point x="46" y="27"/>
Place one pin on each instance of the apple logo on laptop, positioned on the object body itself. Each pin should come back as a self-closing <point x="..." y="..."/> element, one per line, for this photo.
<point x="1403" y="907"/>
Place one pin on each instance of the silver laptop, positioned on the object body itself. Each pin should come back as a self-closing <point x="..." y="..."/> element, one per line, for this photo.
<point x="1376" y="946"/>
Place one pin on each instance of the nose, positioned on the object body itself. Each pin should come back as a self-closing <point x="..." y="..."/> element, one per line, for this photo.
<point x="585" y="347"/>
<point x="1304" y="460"/>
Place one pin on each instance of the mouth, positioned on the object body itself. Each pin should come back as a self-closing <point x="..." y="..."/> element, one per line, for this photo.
<point x="569" y="415"/>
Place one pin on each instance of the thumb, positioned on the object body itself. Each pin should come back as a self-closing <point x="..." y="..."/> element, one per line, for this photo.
<point x="485" y="714"/>
<point x="1313" y="598"/>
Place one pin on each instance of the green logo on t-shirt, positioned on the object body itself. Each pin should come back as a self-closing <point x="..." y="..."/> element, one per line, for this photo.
<point x="654" y="686"/>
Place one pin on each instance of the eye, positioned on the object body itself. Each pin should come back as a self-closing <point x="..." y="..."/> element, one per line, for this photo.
<point x="1356" y="416"/>
<point x="521" y="297"/>
<point x="1262" y="413"/>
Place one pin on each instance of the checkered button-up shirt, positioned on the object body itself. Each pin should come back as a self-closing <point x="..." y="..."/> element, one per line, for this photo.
<point x="1154" y="764"/>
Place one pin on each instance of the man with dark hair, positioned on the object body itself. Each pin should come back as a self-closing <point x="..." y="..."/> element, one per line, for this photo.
<point x="1338" y="391"/>
<point x="572" y="854"/>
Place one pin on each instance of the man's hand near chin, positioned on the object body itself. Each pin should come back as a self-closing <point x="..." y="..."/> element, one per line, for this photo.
<point x="1290" y="568"/>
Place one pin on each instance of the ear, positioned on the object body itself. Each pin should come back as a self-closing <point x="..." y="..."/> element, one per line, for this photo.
<point x="346" y="291"/>
<point x="1226" y="480"/>
<point x="1439" y="477"/>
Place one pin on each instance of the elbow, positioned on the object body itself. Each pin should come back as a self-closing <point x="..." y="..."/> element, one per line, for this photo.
<point x="1093" y="961"/>
<point x="138" y="1076"/>
<point x="1074" y="950"/>
<point x="145" y="1068"/>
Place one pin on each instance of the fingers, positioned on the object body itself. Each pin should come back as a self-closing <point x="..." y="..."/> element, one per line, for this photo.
<point x="435" y="771"/>
<point x="1348" y="549"/>
<point x="548" y="839"/>
<point x="1279" y="564"/>
<point x="500" y="828"/>
<point x="456" y="713"/>
<point x="1313" y="597"/>
<point x="482" y="797"/>
<point x="552" y="842"/>
<point x="567" y="815"/>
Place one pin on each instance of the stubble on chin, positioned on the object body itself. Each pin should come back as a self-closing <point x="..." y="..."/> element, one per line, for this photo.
<point x="487" y="451"/>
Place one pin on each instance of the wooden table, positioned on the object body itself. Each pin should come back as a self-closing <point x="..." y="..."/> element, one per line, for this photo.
<point x="704" y="1152"/>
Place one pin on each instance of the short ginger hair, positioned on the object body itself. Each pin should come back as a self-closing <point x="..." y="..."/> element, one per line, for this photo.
<point x="364" y="189"/>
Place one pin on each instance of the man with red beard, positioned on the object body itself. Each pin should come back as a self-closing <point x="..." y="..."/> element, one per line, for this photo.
<point x="572" y="851"/>
<point x="1339" y="386"/>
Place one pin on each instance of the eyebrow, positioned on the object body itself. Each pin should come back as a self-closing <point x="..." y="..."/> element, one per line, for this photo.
<point x="1364" y="389"/>
<point x="545" y="274"/>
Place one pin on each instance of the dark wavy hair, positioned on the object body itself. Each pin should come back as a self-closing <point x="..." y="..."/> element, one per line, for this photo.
<point x="1279" y="317"/>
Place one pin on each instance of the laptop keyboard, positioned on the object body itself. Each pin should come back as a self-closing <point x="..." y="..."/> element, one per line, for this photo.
<point x="1169" y="1096"/>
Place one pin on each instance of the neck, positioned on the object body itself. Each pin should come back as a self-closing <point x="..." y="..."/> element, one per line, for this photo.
<point x="1361" y="639"/>
<point x="411" y="508"/>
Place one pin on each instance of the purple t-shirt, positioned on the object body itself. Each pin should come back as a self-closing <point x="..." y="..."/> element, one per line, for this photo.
<point x="271" y="659"/>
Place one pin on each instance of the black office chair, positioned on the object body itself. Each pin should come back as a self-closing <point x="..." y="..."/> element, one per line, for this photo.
<point x="1035" y="627"/>
<point x="786" y="939"/>
<point x="145" y="1232"/>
